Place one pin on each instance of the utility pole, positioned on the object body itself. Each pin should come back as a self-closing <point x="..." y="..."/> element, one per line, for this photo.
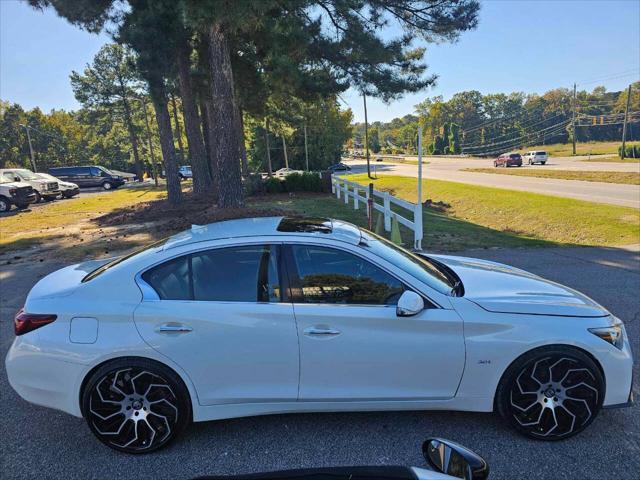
<point x="284" y="147"/>
<point x="153" y="158"/>
<point x="33" y="158"/>
<point x="624" y="125"/>
<point x="366" y="135"/>
<point x="573" y="120"/>
<point x="266" y="141"/>
<point x="306" y="150"/>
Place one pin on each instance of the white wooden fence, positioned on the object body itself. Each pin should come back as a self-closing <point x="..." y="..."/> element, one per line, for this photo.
<point x="350" y="191"/>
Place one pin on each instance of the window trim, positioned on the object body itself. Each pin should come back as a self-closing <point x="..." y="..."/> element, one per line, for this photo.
<point x="149" y="294"/>
<point x="293" y="273"/>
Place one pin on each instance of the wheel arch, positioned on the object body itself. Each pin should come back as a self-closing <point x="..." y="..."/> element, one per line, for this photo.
<point x="187" y="384"/>
<point x="548" y="347"/>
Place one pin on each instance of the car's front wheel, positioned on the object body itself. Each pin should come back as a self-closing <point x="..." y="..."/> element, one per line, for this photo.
<point x="551" y="393"/>
<point x="107" y="185"/>
<point x="135" y="405"/>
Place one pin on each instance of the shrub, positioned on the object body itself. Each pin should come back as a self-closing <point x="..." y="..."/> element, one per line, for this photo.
<point x="303" y="182"/>
<point x="273" y="185"/>
<point x="630" y="151"/>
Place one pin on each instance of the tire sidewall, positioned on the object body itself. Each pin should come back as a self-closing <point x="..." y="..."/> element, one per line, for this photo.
<point x="177" y="385"/>
<point x="107" y="186"/>
<point x="502" y="403"/>
<point x="5" y="205"/>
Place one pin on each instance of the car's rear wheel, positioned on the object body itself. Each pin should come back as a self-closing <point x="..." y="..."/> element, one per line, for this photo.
<point x="551" y="393"/>
<point x="135" y="405"/>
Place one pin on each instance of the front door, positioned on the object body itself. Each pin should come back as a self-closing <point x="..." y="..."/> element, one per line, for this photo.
<point x="352" y="344"/>
<point x="222" y="318"/>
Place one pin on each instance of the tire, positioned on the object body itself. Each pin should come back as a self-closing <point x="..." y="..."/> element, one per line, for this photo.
<point x="21" y="206"/>
<point x="38" y="197"/>
<point x="49" y="199"/>
<point x="543" y="163"/>
<point x="129" y="421"/>
<point x="530" y="162"/>
<point x="107" y="185"/>
<point x="551" y="393"/>
<point x="495" y="164"/>
<point x="5" y="205"/>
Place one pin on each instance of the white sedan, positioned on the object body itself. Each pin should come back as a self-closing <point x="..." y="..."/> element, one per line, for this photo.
<point x="272" y="315"/>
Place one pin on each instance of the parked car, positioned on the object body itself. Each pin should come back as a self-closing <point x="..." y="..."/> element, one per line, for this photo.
<point x="67" y="189"/>
<point x="88" y="176"/>
<point x="283" y="172"/>
<point x="339" y="167"/>
<point x="19" y="193"/>
<point x="535" y="156"/>
<point x="270" y="315"/>
<point x="379" y="159"/>
<point x="508" y="160"/>
<point x="46" y="190"/>
<point x="185" y="172"/>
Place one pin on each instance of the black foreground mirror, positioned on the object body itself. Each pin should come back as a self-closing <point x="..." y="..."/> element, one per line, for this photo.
<point x="455" y="460"/>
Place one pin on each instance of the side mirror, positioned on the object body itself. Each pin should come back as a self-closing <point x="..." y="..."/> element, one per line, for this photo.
<point x="454" y="460"/>
<point x="16" y="179"/>
<point x="409" y="304"/>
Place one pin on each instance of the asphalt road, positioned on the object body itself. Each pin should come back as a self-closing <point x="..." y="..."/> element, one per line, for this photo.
<point x="40" y="443"/>
<point x="451" y="169"/>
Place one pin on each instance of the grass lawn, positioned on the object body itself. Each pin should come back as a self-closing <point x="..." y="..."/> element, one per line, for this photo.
<point x="612" y="160"/>
<point x="66" y="219"/>
<point x="630" y="178"/>
<point x="582" y="148"/>
<point x="474" y="216"/>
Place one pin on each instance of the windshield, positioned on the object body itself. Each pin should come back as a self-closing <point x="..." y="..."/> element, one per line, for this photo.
<point x="413" y="264"/>
<point x="26" y="174"/>
<point x="45" y="176"/>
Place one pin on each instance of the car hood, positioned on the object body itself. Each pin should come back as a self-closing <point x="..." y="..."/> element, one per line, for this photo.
<point x="500" y="288"/>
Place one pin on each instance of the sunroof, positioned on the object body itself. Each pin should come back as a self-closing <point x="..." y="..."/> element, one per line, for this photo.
<point x="305" y="225"/>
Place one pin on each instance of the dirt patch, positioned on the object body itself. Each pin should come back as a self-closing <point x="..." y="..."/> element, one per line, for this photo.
<point x="163" y="217"/>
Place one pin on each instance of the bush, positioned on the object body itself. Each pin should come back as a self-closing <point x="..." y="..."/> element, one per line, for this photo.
<point x="303" y="182"/>
<point x="295" y="182"/>
<point x="630" y="151"/>
<point x="273" y="185"/>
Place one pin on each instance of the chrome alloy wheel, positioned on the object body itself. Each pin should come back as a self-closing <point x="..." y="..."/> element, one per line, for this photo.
<point x="133" y="409"/>
<point x="554" y="397"/>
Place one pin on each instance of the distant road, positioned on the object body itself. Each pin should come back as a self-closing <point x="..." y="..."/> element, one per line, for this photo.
<point x="450" y="169"/>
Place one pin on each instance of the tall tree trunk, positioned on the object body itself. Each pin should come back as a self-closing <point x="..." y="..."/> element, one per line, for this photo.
<point x="178" y="130"/>
<point x="224" y="119"/>
<point x="267" y="147"/>
<point x="242" y="151"/>
<point x="210" y="134"/>
<point x="159" y="97"/>
<point x="201" y="180"/>
<point x="205" y="130"/>
<point x="132" y="138"/>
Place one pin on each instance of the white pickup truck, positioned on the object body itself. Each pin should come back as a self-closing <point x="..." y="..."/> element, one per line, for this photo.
<point x="46" y="190"/>
<point x="19" y="194"/>
<point x="535" y="156"/>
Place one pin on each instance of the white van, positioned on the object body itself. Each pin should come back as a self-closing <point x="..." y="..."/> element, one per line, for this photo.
<point x="535" y="156"/>
<point x="44" y="189"/>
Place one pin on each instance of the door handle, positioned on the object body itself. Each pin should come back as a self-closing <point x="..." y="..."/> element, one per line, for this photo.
<point x="174" y="328"/>
<point x="321" y="332"/>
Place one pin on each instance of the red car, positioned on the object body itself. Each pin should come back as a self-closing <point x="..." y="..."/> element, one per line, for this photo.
<point x="508" y="160"/>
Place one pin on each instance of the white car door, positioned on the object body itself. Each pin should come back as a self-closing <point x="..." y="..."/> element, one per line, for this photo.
<point x="221" y="316"/>
<point x="352" y="344"/>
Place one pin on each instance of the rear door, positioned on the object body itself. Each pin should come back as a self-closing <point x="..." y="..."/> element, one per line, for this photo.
<point x="353" y="346"/>
<point x="223" y="316"/>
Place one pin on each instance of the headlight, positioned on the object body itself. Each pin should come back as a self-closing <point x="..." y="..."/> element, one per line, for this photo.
<point x="613" y="334"/>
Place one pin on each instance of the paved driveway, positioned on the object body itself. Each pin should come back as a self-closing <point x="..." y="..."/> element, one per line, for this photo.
<point x="41" y="443"/>
<point x="451" y="169"/>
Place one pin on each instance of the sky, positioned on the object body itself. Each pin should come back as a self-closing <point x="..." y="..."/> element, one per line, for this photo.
<point x="519" y="45"/>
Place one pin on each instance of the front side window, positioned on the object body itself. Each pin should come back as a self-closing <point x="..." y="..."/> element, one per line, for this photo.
<point x="328" y="275"/>
<point x="237" y="274"/>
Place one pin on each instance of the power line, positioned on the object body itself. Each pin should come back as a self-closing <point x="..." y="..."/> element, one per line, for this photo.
<point x="525" y="125"/>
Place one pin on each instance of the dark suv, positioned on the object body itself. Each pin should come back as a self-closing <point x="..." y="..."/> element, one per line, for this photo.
<point x="93" y="176"/>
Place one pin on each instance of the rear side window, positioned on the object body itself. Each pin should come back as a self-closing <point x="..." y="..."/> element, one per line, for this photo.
<point x="237" y="274"/>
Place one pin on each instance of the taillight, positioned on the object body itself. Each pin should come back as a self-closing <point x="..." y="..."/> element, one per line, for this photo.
<point x="26" y="322"/>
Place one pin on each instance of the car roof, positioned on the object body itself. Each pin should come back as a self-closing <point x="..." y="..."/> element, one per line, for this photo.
<point x="312" y="227"/>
